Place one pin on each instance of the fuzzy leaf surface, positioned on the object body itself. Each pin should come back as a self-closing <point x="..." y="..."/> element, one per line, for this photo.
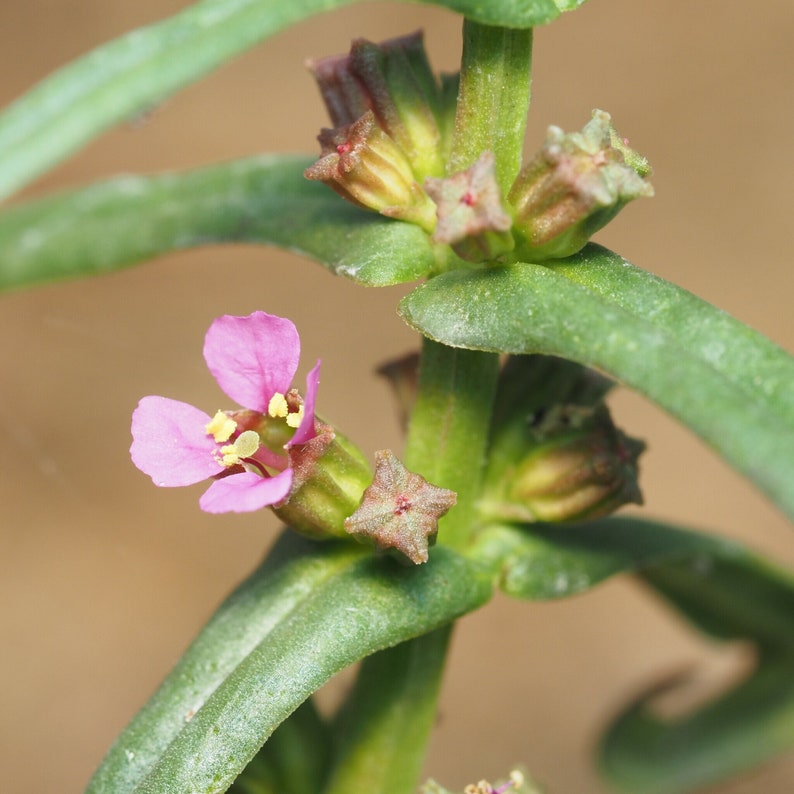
<point x="309" y="611"/>
<point x="728" y="383"/>
<point x="261" y="200"/>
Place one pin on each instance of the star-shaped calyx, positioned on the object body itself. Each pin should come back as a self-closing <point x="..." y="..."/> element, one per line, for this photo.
<point x="470" y="214"/>
<point x="400" y="510"/>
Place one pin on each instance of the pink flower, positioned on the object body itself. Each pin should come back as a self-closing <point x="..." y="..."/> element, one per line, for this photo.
<point x="254" y="360"/>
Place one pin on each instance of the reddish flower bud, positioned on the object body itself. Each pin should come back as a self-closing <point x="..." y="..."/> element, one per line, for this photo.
<point x="574" y="186"/>
<point x="470" y="214"/>
<point x="364" y="165"/>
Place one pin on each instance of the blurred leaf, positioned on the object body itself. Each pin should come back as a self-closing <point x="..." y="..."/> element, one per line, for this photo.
<point x="728" y="383"/>
<point x="644" y="754"/>
<point x="735" y="597"/>
<point x="308" y="612"/>
<point x="544" y="561"/>
<point x="259" y="200"/>
<point x="133" y="73"/>
<point x="723" y="589"/>
<point x="731" y="595"/>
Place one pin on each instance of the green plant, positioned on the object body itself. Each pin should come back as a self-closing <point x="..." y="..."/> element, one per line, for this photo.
<point x="587" y="306"/>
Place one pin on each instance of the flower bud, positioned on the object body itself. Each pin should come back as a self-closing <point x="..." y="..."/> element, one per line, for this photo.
<point x="342" y="92"/>
<point x="364" y="165"/>
<point x="330" y="475"/>
<point x="394" y="80"/>
<point x="555" y="454"/>
<point x="573" y="187"/>
<point x="391" y="114"/>
<point x="470" y="214"/>
<point x="581" y="467"/>
<point x="405" y="97"/>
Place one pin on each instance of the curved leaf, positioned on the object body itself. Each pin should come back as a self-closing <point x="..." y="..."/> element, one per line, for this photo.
<point x="723" y="589"/>
<point x="728" y="383"/>
<point x="138" y="70"/>
<point x="315" y="626"/>
<point x="259" y="200"/>
<point x="544" y="561"/>
<point x="739" y="597"/>
<point x="288" y="576"/>
<point x="643" y="754"/>
<point x="736" y="351"/>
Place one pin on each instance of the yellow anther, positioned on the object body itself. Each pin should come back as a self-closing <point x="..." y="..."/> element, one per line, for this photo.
<point x="294" y="420"/>
<point x="229" y="456"/>
<point x="277" y="407"/>
<point x="245" y="446"/>
<point x="221" y="427"/>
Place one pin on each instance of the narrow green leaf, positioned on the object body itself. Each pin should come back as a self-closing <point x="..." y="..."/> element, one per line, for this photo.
<point x="290" y="574"/>
<point x="723" y="589"/>
<point x="733" y="349"/>
<point x="131" y="74"/>
<point x="363" y="605"/>
<point x="667" y="344"/>
<point x="259" y="200"/>
<point x="543" y="561"/>
<point x="718" y="584"/>
<point x="730" y="595"/>
<point x="738" y="597"/>
<point x="644" y="754"/>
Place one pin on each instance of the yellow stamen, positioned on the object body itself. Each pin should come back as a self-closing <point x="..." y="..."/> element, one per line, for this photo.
<point x="245" y="446"/>
<point x="221" y="427"/>
<point x="294" y="420"/>
<point x="277" y="407"/>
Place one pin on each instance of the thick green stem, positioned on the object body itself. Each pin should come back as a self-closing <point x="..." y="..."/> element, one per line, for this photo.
<point x="384" y="729"/>
<point x="386" y="725"/>
<point x="493" y="99"/>
<point x="448" y="432"/>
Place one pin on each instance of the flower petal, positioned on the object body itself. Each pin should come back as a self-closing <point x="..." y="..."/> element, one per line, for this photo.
<point x="305" y="430"/>
<point x="252" y="357"/>
<point x="244" y="492"/>
<point x="170" y="444"/>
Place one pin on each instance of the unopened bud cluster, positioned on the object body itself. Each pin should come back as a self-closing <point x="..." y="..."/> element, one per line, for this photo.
<point x="580" y="467"/>
<point x="573" y="187"/>
<point x="389" y="133"/>
<point x="555" y="454"/>
<point x="389" y="148"/>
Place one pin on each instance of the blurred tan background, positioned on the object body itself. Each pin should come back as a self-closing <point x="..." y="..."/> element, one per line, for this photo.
<point x="104" y="579"/>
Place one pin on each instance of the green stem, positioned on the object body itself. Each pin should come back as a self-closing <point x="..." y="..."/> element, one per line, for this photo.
<point x="448" y="432"/>
<point x="387" y="723"/>
<point x="493" y="99"/>
<point x="385" y="726"/>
